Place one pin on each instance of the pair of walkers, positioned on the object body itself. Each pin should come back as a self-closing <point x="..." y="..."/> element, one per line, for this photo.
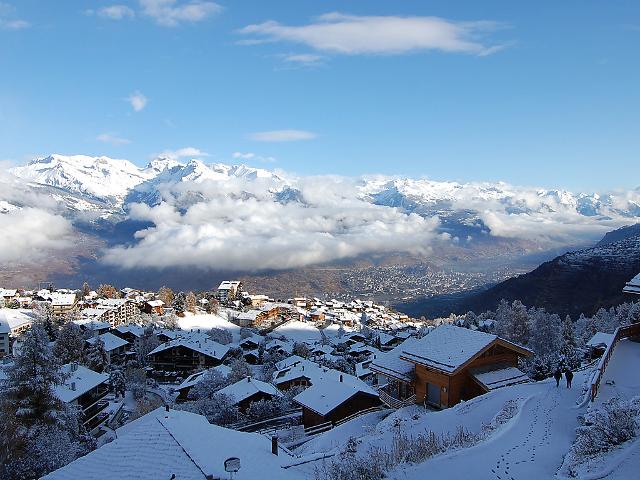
<point x="568" y="375"/>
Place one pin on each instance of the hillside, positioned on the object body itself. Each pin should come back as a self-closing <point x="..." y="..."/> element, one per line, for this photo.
<point x="576" y="282"/>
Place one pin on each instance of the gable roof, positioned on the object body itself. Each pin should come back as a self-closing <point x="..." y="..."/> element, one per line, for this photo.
<point x="161" y="444"/>
<point x="111" y="341"/>
<point x="633" y="285"/>
<point x="448" y="348"/>
<point x="326" y="395"/>
<point x="11" y="319"/>
<point x="247" y="387"/>
<point x="600" y="339"/>
<point x="493" y="377"/>
<point x="195" y="378"/>
<point x="83" y="378"/>
<point x="391" y="365"/>
<point x="200" y="344"/>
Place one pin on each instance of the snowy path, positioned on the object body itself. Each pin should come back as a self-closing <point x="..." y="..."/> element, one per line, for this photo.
<point x="532" y="445"/>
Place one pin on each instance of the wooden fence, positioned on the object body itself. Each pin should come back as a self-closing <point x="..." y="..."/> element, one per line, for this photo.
<point x="620" y="333"/>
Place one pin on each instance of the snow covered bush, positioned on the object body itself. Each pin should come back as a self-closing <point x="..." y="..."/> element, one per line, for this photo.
<point x="616" y="422"/>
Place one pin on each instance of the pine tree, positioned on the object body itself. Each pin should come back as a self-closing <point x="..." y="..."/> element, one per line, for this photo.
<point x="117" y="382"/>
<point x="39" y="433"/>
<point x="179" y="303"/>
<point x="96" y="356"/>
<point x="569" y="351"/>
<point x="145" y="344"/>
<point x="69" y="346"/>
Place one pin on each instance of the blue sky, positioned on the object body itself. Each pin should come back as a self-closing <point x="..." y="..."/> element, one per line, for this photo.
<point x="543" y="93"/>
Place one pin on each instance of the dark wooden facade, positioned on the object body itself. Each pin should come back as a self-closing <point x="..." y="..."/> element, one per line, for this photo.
<point x="358" y="402"/>
<point x="183" y="359"/>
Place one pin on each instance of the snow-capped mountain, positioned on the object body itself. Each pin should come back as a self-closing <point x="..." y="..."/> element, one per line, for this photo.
<point x="100" y="178"/>
<point x="108" y="186"/>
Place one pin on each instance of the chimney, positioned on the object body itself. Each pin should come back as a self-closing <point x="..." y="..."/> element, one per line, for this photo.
<point x="73" y="386"/>
<point x="249" y="379"/>
<point x="274" y="445"/>
<point x="166" y="408"/>
<point x="341" y="378"/>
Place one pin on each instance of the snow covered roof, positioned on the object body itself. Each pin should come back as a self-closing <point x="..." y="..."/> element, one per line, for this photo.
<point x="111" y="342"/>
<point x="447" y="347"/>
<point x="92" y="324"/>
<point x="227" y="285"/>
<point x="497" y="377"/>
<point x="391" y="365"/>
<point x="633" y="286"/>
<point x="62" y="299"/>
<point x="326" y="395"/>
<point x="600" y="340"/>
<point x="82" y="378"/>
<point x="5" y="292"/>
<point x="133" y="328"/>
<point x="113" y="302"/>
<point x="161" y="444"/>
<point x="195" y="378"/>
<point x="155" y="303"/>
<point x="248" y="387"/>
<point x="314" y="372"/>
<point x="202" y="344"/>
<point x="10" y="319"/>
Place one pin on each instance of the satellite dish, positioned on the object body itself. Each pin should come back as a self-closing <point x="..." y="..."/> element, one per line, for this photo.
<point x="232" y="464"/>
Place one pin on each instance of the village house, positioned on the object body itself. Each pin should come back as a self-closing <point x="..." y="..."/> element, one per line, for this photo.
<point x="131" y="332"/>
<point x="62" y="303"/>
<point x="170" y="444"/>
<point x="8" y="294"/>
<point x="153" y="307"/>
<point x="115" y="347"/>
<point x="248" y="390"/>
<point x="85" y="389"/>
<point x="96" y="327"/>
<point x="188" y="353"/>
<point x="451" y="364"/>
<point x="328" y="400"/>
<point x="12" y="324"/>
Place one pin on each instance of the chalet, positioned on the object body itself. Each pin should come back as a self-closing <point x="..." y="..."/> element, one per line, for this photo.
<point x="451" y="364"/>
<point x="62" y="303"/>
<point x="248" y="319"/>
<point x="113" y="345"/>
<point x="249" y="390"/>
<point x="633" y="286"/>
<point x="328" y="400"/>
<point x="85" y="389"/>
<point x="258" y="300"/>
<point x="153" y="307"/>
<point x="188" y="353"/>
<point x="8" y="294"/>
<point x="192" y="380"/>
<point x="395" y="376"/>
<point x="252" y="357"/>
<point x="171" y="444"/>
<point x="131" y="332"/>
<point x="250" y="343"/>
<point x="12" y="324"/>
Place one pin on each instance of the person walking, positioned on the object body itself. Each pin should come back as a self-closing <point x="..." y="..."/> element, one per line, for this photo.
<point x="557" y="375"/>
<point x="568" y="374"/>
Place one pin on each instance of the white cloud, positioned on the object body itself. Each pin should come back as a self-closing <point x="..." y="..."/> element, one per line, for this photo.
<point x="252" y="156"/>
<point x="116" y="12"/>
<point x="7" y="22"/>
<point x="351" y="34"/>
<point x="28" y="234"/>
<point x="112" y="139"/>
<point x="186" y="152"/>
<point x="252" y="231"/>
<point x="282" y="136"/>
<point x="304" y="59"/>
<point x="170" y="13"/>
<point x="138" y="101"/>
<point x="30" y="226"/>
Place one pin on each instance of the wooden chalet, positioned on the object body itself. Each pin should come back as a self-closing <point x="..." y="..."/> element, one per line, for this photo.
<point x="185" y="354"/>
<point x="328" y="400"/>
<point x="248" y="390"/>
<point x="448" y="365"/>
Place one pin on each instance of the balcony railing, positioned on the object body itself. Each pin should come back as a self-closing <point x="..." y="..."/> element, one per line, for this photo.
<point x="95" y="409"/>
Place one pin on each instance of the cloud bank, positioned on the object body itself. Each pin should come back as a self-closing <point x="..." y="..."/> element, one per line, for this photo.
<point x="248" y="230"/>
<point x="339" y="33"/>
